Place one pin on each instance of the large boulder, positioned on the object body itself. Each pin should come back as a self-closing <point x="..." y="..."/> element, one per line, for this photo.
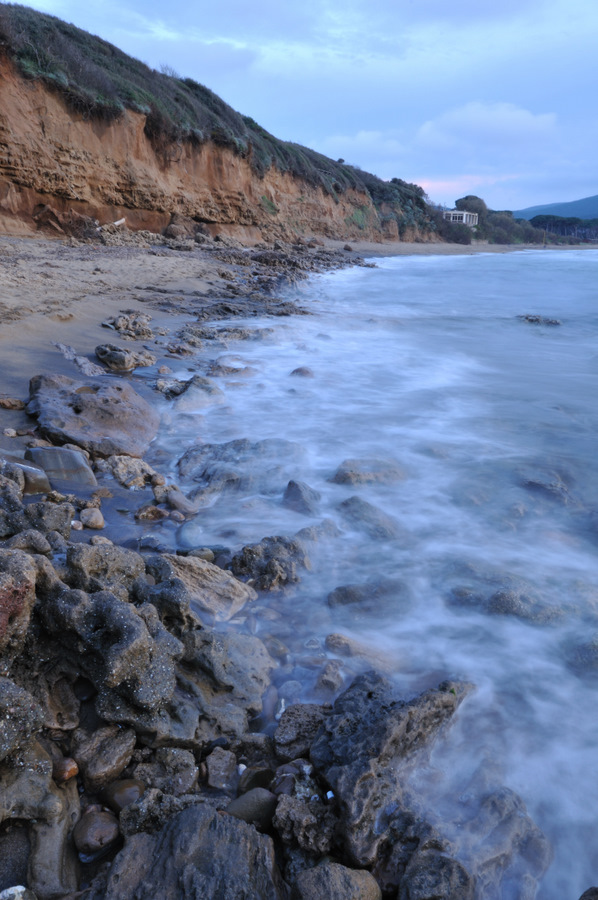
<point x="272" y="564"/>
<point x="103" y="418"/>
<point x="210" y="589"/>
<point x="197" y="854"/>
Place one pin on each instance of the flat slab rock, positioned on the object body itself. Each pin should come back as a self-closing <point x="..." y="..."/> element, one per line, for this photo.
<point x="103" y="418"/>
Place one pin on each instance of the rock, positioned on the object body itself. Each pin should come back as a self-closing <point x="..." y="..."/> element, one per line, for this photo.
<point x="11" y="403"/>
<point x="299" y="497"/>
<point x="106" y="419"/>
<point x="64" y="769"/>
<point x="327" y="528"/>
<point x="95" y="831"/>
<point x="102" y="754"/>
<point x="117" y="359"/>
<point x="31" y="541"/>
<point x="35" y="479"/>
<point x="256" y="807"/>
<point x="120" y="794"/>
<point x="66" y="469"/>
<point x="173" y="771"/>
<point x="366" y="517"/>
<point x="385" y="595"/>
<point x="360" y="749"/>
<point x="18" y="892"/>
<point x="335" y="882"/>
<point x="191" y="857"/>
<point x="590" y="894"/>
<point x="298" y="727"/>
<point x="46" y="517"/>
<point x="92" y="518"/>
<point x="303" y="372"/>
<point x="210" y="589"/>
<point x="534" y="319"/>
<point x="432" y="876"/>
<point x="29" y="794"/>
<point x="198" y="393"/>
<point x="20" y="717"/>
<point x="254" y="776"/>
<point x="83" y="364"/>
<point x="18" y="576"/>
<point x="130" y="472"/>
<point x="134" y="325"/>
<point x="367" y="471"/>
<point x="100" y="566"/>
<point x="222" y="770"/>
<point x="307" y="823"/>
<point x="272" y="564"/>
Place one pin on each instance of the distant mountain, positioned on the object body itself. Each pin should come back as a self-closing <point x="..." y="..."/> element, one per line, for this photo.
<point x="587" y="208"/>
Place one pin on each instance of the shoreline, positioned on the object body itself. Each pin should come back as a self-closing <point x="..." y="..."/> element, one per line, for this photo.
<point x="226" y="717"/>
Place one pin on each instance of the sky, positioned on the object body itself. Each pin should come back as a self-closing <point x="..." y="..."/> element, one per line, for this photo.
<point x="496" y="98"/>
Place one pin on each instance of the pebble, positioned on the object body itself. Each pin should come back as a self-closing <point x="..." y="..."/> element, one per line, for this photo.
<point x="18" y="892"/>
<point x="64" y="769"/>
<point x="9" y="432"/>
<point x="122" y="793"/>
<point x="11" y="403"/>
<point x="257" y="807"/>
<point x="95" y="831"/>
<point x="92" y="518"/>
<point x="76" y="525"/>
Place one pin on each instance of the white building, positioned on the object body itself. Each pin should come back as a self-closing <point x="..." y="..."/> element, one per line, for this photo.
<point x="461" y="215"/>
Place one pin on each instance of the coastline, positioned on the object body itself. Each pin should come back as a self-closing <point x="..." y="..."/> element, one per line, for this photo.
<point x="68" y="291"/>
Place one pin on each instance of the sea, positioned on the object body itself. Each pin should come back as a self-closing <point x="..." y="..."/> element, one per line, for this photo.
<point x="469" y="384"/>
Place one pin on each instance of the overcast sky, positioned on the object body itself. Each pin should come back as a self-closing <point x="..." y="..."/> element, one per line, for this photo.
<point x="488" y="97"/>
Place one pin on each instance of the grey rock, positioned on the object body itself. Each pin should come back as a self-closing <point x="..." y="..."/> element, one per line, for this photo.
<point x="31" y="541"/>
<point x="256" y="807"/>
<point x="118" y="359"/>
<point x="173" y="771"/>
<point x="18" y="576"/>
<point x="103" y="566"/>
<point x="301" y="498"/>
<point x="190" y="859"/>
<point x="367" y="471"/>
<point x="64" y="467"/>
<point x="298" y="727"/>
<point x="335" y="882"/>
<point x="433" y="876"/>
<point x="210" y="589"/>
<point x="131" y="473"/>
<point x="45" y="517"/>
<point x="105" y="419"/>
<point x="35" y="478"/>
<point x="366" y="517"/>
<point x="272" y="564"/>
<point x="198" y="393"/>
<point x="307" y="823"/>
<point x="95" y="830"/>
<point x="20" y="717"/>
<point x="222" y="770"/>
<point x="102" y="755"/>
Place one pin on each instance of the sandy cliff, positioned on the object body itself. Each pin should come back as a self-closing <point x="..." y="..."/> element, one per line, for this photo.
<point x="52" y="156"/>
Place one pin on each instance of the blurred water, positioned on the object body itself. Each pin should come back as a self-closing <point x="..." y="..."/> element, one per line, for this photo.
<point x="493" y="421"/>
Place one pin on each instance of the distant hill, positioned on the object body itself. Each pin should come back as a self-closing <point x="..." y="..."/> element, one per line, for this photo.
<point x="587" y="208"/>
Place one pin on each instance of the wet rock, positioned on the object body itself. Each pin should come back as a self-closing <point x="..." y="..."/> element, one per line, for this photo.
<point x="256" y="807"/>
<point x="18" y="892"/>
<point x="330" y="679"/>
<point x="534" y="319"/>
<point x="327" y="528"/>
<point x="131" y="473"/>
<point x="120" y="794"/>
<point x="240" y="465"/>
<point x="210" y="589"/>
<point x="134" y="325"/>
<point x="303" y="372"/>
<point x="64" y="769"/>
<point x="502" y="595"/>
<point x="308" y="823"/>
<point x="191" y="857"/>
<point x="590" y="894"/>
<point x="298" y="727"/>
<point x="430" y="874"/>
<point x="254" y="776"/>
<point x="100" y="566"/>
<point x="92" y="518"/>
<point x="117" y="359"/>
<point x="198" y="393"/>
<point x="367" y="471"/>
<point x="374" y="597"/>
<point x="272" y="564"/>
<point x="366" y="517"/>
<point x="335" y="882"/>
<point x="106" y="419"/>
<point x="95" y="831"/>
<point x="29" y="794"/>
<point x="222" y="770"/>
<point x="64" y="467"/>
<point x="20" y="717"/>
<point x="173" y="771"/>
<point x="18" y="576"/>
<point x="299" y="497"/>
<point x="361" y="746"/>
<point x="34" y="477"/>
<point x="102" y="754"/>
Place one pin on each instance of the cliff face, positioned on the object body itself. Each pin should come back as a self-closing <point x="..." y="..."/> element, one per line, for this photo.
<point x="52" y="156"/>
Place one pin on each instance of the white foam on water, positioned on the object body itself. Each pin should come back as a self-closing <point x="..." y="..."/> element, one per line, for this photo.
<point x="493" y="420"/>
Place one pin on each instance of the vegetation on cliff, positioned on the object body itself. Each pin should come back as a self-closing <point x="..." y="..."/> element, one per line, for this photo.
<point x="99" y="81"/>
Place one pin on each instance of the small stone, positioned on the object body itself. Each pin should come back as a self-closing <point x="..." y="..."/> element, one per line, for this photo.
<point x="203" y="553"/>
<point x="92" y="518"/>
<point x="254" y="777"/>
<point x="76" y="525"/>
<point x="9" y="432"/>
<point x="95" y="831"/>
<point x="11" y="403"/>
<point x="64" y="769"/>
<point x="18" y="892"/>
<point x="303" y="372"/>
<point x="177" y="516"/>
<point x="151" y="513"/>
<point x="122" y="793"/>
<point x="257" y="807"/>
<point x="222" y="769"/>
<point x="98" y="539"/>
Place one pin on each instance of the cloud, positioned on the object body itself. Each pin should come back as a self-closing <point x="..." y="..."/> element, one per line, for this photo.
<point x="494" y="124"/>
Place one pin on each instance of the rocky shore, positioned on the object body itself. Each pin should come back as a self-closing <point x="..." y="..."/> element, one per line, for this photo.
<point x="151" y="742"/>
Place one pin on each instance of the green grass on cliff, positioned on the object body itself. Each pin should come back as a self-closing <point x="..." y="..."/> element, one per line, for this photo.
<point x="99" y="81"/>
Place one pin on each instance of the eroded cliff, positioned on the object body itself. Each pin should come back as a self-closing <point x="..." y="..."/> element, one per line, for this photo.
<point x="51" y="155"/>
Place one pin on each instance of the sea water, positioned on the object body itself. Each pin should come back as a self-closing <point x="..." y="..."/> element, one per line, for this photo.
<point x="491" y="577"/>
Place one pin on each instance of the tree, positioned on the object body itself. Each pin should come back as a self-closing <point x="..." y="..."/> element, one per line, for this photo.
<point x="473" y="204"/>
